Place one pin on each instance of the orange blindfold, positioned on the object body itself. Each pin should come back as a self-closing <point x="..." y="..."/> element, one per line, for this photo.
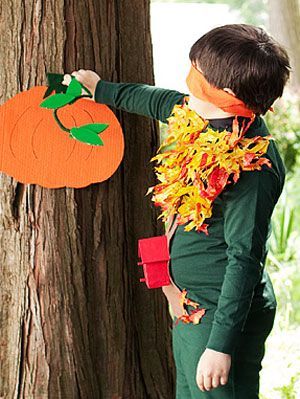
<point x="201" y="89"/>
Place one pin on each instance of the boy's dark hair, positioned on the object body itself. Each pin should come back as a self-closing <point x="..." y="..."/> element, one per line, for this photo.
<point x="245" y="59"/>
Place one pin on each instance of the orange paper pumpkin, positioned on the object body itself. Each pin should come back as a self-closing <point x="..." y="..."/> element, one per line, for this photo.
<point x="34" y="149"/>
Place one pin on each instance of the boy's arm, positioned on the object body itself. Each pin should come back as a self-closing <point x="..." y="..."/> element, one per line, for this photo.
<point x="139" y="98"/>
<point x="248" y="208"/>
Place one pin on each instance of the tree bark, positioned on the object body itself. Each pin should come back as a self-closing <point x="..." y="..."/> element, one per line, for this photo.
<point x="284" y="17"/>
<point x="75" y="320"/>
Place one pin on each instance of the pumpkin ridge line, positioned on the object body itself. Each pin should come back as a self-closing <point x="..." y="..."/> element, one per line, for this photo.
<point x="91" y="116"/>
<point x="12" y="132"/>
<point x="32" y="137"/>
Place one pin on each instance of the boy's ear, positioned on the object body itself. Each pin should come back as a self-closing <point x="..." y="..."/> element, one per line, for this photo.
<point x="229" y="91"/>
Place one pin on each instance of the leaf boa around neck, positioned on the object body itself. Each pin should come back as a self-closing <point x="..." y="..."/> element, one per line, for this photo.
<point x="200" y="164"/>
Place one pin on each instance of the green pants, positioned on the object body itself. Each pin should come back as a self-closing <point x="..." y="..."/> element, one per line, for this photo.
<point x="189" y="342"/>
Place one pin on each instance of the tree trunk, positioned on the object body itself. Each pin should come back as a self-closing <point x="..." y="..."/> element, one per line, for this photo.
<point x="75" y="320"/>
<point x="284" y="25"/>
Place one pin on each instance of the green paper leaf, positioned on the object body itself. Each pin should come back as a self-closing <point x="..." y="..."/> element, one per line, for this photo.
<point x="55" y="84"/>
<point x="86" y="135"/>
<point x="96" y="127"/>
<point x="57" y="101"/>
<point x="75" y="88"/>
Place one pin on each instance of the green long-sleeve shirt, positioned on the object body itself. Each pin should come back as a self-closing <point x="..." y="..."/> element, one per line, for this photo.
<point x="223" y="271"/>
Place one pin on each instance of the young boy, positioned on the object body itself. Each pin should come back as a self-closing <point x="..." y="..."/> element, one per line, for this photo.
<point x="237" y="70"/>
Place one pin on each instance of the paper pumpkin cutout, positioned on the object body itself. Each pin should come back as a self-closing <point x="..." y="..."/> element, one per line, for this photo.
<point x="35" y="150"/>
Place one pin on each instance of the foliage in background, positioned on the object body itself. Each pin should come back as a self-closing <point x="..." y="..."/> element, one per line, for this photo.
<point x="284" y="125"/>
<point x="284" y="257"/>
<point x="283" y="260"/>
<point x="252" y="11"/>
<point x="288" y="391"/>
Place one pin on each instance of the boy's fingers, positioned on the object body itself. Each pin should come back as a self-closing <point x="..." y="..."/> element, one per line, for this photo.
<point x="200" y="382"/>
<point x="215" y="381"/>
<point x="207" y="382"/>
<point x="67" y="80"/>
<point x="78" y="73"/>
<point x="223" y="380"/>
<point x="78" y="76"/>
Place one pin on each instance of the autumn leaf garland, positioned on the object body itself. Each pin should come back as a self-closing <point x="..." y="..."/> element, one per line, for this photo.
<point x="199" y="166"/>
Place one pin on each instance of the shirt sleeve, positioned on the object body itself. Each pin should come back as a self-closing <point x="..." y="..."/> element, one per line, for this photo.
<point x="139" y="98"/>
<point x="248" y="207"/>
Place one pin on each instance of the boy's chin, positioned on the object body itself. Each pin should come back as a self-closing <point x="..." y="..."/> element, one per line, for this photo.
<point x="207" y="110"/>
<point x="203" y="108"/>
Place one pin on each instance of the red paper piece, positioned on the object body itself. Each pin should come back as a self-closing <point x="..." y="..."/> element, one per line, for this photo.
<point x="154" y="254"/>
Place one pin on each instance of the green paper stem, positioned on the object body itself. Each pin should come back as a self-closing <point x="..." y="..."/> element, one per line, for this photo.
<point x="87" y="90"/>
<point x="57" y="118"/>
<point x="82" y="96"/>
<point x="59" y="122"/>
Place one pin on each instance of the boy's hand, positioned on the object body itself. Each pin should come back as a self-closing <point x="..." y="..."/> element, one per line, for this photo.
<point x="171" y="292"/>
<point x="213" y="369"/>
<point x="88" y="78"/>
